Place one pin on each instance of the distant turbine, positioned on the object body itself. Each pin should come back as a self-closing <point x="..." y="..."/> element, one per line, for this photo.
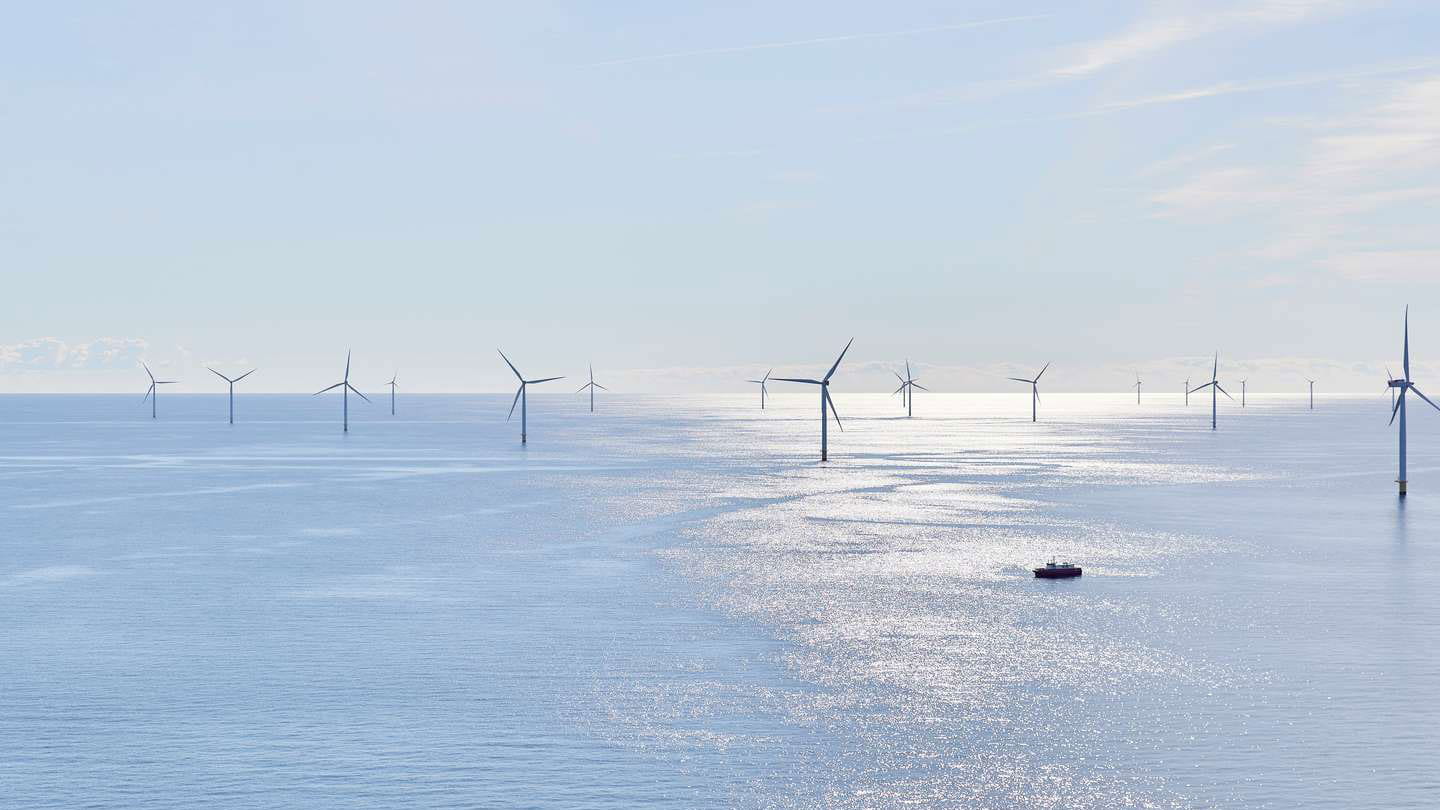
<point x="232" y="388"/>
<point x="825" y="402"/>
<point x="345" y="389"/>
<point x="1137" y="388"/>
<point x="1213" y="385"/>
<point x="592" y="385"/>
<point x="1242" y="392"/>
<point x="520" y="395"/>
<point x="1312" y="388"/>
<point x="153" y="392"/>
<point x="907" y="390"/>
<point x="1187" y="390"/>
<point x="1405" y="385"/>
<point x="763" y="389"/>
<point x="1390" y="375"/>
<point x="393" y="386"/>
<point x="1034" y="391"/>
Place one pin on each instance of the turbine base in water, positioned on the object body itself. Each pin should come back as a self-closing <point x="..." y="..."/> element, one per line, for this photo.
<point x="1402" y="487"/>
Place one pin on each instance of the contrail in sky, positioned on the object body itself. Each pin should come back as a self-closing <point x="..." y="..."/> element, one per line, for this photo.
<point x="820" y="40"/>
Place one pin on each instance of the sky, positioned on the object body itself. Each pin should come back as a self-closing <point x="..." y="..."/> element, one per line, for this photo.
<point x="690" y="194"/>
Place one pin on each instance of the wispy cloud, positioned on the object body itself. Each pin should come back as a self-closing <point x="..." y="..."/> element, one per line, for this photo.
<point x="830" y="40"/>
<point x="50" y="354"/>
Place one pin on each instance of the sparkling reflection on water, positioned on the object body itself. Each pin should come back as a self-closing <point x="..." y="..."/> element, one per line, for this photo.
<point x="671" y="603"/>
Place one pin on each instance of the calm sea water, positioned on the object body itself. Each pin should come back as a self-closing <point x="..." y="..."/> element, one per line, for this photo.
<point x="670" y="603"/>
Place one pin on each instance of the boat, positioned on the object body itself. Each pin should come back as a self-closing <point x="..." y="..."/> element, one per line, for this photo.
<point x="1054" y="570"/>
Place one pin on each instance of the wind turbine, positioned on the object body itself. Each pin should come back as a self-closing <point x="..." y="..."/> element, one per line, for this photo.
<point x="393" y="386"/>
<point x="1034" y="390"/>
<point x="907" y="390"/>
<point x="763" y="389"/>
<point x="825" y="401"/>
<point x="592" y="385"/>
<point x="1187" y="390"/>
<point x="1213" y="385"/>
<point x="1137" y="388"/>
<point x="520" y="394"/>
<point x="232" y="388"/>
<point x="1242" y="392"/>
<point x="1312" y="390"/>
<point x="153" y="392"/>
<point x="1405" y="385"/>
<point x="345" y="389"/>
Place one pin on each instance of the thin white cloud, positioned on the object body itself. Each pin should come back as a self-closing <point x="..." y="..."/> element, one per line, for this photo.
<point x="796" y="43"/>
<point x="53" y="354"/>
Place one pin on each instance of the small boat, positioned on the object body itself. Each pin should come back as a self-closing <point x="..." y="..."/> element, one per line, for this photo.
<point x="1054" y="570"/>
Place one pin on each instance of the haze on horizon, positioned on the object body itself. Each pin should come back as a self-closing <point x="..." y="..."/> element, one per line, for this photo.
<point x="688" y="196"/>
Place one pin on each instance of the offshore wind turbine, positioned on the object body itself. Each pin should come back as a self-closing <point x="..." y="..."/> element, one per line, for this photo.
<point x="1242" y="391"/>
<point x="520" y="395"/>
<point x="1137" y="388"/>
<point x="1312" y="392"/>
<point x="1214" y="385"/>
<point x="904" y="394"/>
<point x="826" y="403"/>
<point x="592" y="385"/>
<point x="232" y="388"/>
<point x="345" y="389"/>
<point x="763" y="389"/>
<point x="153" y="392"/>
<point x="908" y="384"/>
<point x="1034" y="391"/>
<point x="1405" y="385"/>
<point x="1187" y="390"/>
<point x="393" y="386"/>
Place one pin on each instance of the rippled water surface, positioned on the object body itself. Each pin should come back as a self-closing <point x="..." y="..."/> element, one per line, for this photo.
<point x="670" y="603"/>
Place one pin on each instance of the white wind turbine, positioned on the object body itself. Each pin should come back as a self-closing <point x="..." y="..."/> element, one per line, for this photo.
<point x="1213" y="385"/>
<point x="232" y="388"/>
<point x="826" y="403"/>
<point x="1137" y="388"/>
<point x="520" y="395"/>
<point x="1242" y="391"/>
<point x="1187" y="390"/>
<point x="1034" y="391"/>
<point x="592" y="385"/>
<point x="345" y="390"/>
<point x="153" y="392"/>
<point x="393" y="386"/>
<point x="1405" y="385"/>
<point x="1312" y="392"/>
<point x="763" y="389"/>
<point x="908" y="384"/>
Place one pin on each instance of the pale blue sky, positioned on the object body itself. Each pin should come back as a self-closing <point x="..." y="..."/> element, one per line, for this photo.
<point x="689" y="195"/>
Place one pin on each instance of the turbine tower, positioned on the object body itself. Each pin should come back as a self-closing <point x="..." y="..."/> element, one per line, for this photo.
<point x="1034" y="391"/>
<point x="592" y="385"/>
<point x="1187" y="390"/>
<point x="763" y="389"/>
<point x="826" y="403"/>
<point x="1213" y="385"/>
<point x="345" y="389"/>
<point x="232" y="388"/>
<point x="153" y="392"/>
<point x="1405" y="385"/>
<point x="1312" y="390"/>
<point x="520" y="396"/>
<point x="907" y="390"/>
<point x="393" y="386"/>
<point x="1242" y="392"/>
<point x="1137" y="388"/>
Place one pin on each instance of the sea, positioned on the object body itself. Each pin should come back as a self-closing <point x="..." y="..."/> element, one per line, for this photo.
<point x="671" y="603"/>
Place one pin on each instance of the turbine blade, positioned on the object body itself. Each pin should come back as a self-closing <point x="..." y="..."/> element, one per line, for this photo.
<point x="347" y="364"/>
<point x="601" y="387"/>
<point x="898" y="390"/>
<point x="246" y="374"/>
<point x="797" y="379"/>
<point x="831" y="372"/>
<point x="357" y="392"/>
<point x="147" y="373"/>
<point x="514" y="401"/>
<point x="1407" y="341"/>
<point x="148" y="391"/>
<point x="918" y="385"/>
<point x="218" y="374"/>
<point x="833" y="410"/>
<point x="1017" y="379"/>
<point x="1396" y="407"/>
<point x="545" y="379"/>
<point x="1422" y="396"/>
<point x="323" y="390"/>
<point x="1223" y="391"/>
<point x="767" y="375"/>
<point x="1042" y="373"/>
<point x="582" y="388"/>
<point x="907" y="368"/>
<point x="512" y="366"/>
